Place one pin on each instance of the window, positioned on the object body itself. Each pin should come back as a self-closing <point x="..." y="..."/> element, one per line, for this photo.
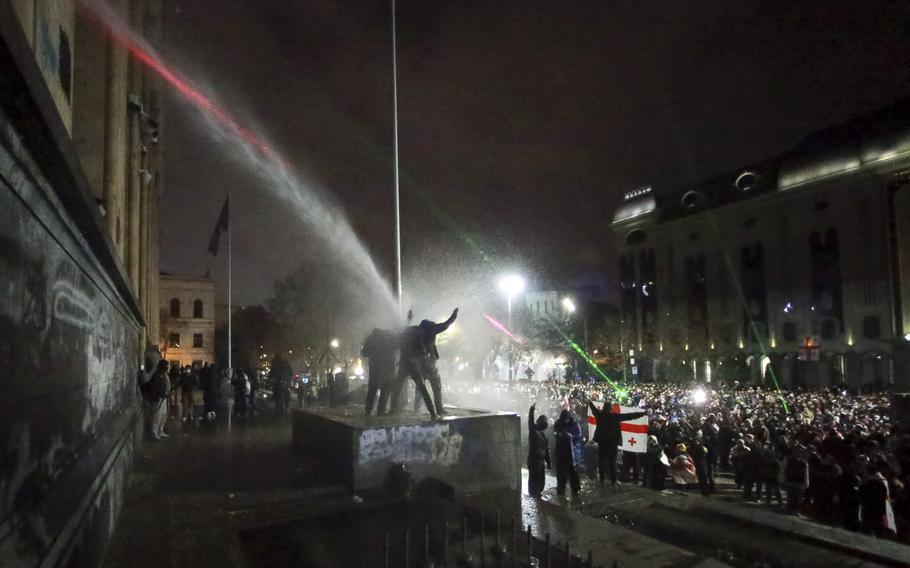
<point x="872" y="327"/>
<point x="829" y="329"/>
<point x="65" y="64"/>
<point x="173" y="340"/>
<point x="636" y="237"/>
<point x="197" y="340"/>
<point x="197" y="308"/>
<point x="175" y="308"/>
<point x="789" y="332"/>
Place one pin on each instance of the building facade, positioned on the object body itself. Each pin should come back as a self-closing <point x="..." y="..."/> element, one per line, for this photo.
<point x="79" y="185"/>
<point x="795" y="270"/>
<point x="187" y="320"/>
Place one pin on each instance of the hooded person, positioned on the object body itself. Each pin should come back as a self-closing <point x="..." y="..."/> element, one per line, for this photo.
<point x="567" y="433"/>
<point x="412" y="349"/>
<point x="381" y="349"/>
<point x="609" y="437"/>
<point x="538" y="452"/>
<point x="427" y="361"/>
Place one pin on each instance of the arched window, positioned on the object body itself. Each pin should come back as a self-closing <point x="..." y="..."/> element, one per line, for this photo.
<point x="197" y="308"/>
<point x="175" y="308"/>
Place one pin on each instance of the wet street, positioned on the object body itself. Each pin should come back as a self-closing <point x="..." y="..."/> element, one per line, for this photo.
<point x="211" y="497"/>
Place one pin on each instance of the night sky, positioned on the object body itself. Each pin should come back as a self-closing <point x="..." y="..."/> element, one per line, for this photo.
<point x="521" y="123"/>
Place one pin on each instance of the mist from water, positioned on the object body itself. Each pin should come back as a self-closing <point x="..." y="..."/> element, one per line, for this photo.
<point x="353" y="267"/>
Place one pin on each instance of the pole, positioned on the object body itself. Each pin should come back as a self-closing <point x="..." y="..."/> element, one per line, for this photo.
<point x="395" y="144"/>
<point x="509" y="302"/>
<point x="229" y="231"/>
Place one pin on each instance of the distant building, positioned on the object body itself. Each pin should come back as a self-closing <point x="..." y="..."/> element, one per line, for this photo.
<point x="796" y="269"/>
<point x="187" y="320"/>
<point x="540" y="305"/>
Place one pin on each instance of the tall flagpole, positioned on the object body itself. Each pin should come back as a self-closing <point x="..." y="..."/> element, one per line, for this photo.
<point x="397" y="194"/>
<point x="230" y="307"/>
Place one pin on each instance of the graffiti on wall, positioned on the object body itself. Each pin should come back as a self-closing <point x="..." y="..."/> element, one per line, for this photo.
<point x="68" y="356"/>
<point x="434" y="444"/>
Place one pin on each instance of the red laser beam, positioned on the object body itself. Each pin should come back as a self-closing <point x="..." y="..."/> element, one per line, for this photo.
<point x="184" y="87"/>
<point x="501" y="327"/>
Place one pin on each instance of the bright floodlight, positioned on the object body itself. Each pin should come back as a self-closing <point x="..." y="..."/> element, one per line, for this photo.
<point x="512" y="284"/>
<point x="334" y="343"/>
<point x="699" y="396"/>
<point x="569" y="305"/>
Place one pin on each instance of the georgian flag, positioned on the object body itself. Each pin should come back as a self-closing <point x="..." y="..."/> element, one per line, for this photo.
<point x="634" y="432"/>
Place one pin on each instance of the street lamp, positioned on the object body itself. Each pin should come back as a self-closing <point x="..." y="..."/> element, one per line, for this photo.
<point x="334" y="344"/>
<point x="511" y="285"/>
<point x="568" y="304"/>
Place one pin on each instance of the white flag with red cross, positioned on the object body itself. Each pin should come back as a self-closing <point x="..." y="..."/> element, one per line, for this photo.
<point x="634" y="432"/>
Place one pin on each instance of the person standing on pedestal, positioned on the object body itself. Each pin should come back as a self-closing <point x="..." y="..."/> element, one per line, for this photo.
<point x="429" y="331"/>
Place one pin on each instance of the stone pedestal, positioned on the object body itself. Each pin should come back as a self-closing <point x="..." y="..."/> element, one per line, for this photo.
<point x="470" y="450"/>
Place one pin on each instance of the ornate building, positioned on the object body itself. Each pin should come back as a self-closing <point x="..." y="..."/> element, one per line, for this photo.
<point x="79" y="185"/>
<point x="795" y="269"/>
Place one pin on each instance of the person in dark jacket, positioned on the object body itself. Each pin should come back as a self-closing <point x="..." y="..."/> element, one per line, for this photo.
<point x="567" y="432"/>
<point x="608" y="437"/>
<point x="770" y="477"/>
<point x="796" y="478"/>
<point x="709" y="432"/>
<point x="209" y="379"/>
<point x="427" y="361"/>
<point x="538" y="452"/>
<point x="381" y="349"/>
<point x="412" y="350"/>
<point x="656" y="463"/>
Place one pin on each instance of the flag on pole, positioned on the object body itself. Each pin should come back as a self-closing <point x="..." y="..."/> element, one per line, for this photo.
<point x="634" y="432"/>
<point x="220" y="226"/>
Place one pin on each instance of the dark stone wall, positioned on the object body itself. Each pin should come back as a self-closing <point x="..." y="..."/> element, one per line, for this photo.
<point x="69" y="343"/>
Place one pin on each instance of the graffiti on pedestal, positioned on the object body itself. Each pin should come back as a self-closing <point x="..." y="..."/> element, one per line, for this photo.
<point x="433" y="444"/>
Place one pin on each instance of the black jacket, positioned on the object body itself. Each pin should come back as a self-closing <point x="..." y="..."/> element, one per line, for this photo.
<point x="538" y="448"/>
<point x="608" y="432"/>
<point x="430" y="329"/>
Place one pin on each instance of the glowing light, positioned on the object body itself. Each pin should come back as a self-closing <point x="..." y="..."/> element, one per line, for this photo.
<point x="336" y="370"/>
<point x="512" y="285"/>
<point x="501" y="327"/>
<point x="699" y="396"/>
<point x="358" y="370"/>
<point x="907" y="337"/>
<point x="335" y="343"/>
<point x="569" y="305"/>
<point x="850" y="339"/>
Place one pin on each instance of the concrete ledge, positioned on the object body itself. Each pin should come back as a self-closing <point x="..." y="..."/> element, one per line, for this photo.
<point x="856" y="544"/>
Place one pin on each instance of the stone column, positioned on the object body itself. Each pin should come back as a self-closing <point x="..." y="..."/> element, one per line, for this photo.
<point x="115" y="141"/>
<point x="134" y="257"/>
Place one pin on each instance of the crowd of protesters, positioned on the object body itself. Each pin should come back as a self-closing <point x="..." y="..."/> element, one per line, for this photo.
<point x="832" y="454"/>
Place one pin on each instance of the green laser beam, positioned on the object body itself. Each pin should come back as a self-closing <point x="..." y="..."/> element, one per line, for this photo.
<point x="753" y="325"/>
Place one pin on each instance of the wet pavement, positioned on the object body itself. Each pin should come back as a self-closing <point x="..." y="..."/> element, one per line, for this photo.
<point x="210" y="496"/>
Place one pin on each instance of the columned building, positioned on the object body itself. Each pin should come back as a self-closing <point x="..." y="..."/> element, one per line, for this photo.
<point x="187" y="320"/>
<point x="794" y="270"/>
<point x="80" y="176"/>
